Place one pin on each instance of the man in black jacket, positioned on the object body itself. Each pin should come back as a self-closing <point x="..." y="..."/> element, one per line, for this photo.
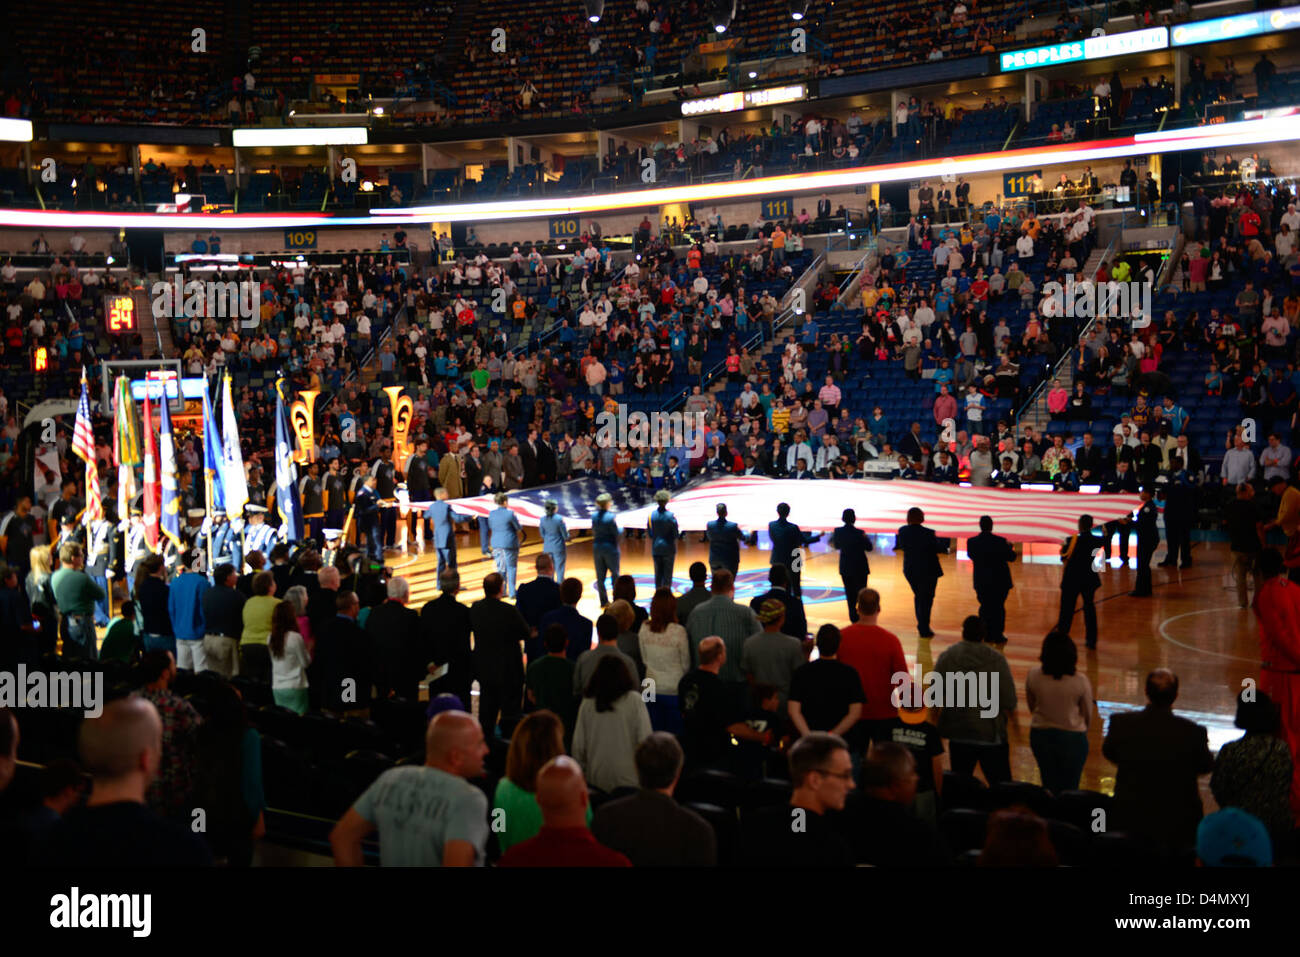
<point x="342" y="668"/>
<point x="499" y="634"/>
<point x="649" y="827"/>
<point x="853" y="544"/>
<point x="535" y="598"/>
<point x="1122" y="480"/>
<point x="796" y="620"/>
<point x="991" y="556"/>
<point x="322" y="604"/>
<point x="402" y="653"/>
<point x="1090" y="460"/>
<point x="1158" y="758"/>
<point x="1080" y="580"/>
<point x="920" y="548"/>
<point x="445" y="625"/>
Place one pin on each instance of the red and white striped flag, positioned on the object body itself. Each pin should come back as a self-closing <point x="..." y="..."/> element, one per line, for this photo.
<point x="83" y="445"/>
<point x="152" y="493"/>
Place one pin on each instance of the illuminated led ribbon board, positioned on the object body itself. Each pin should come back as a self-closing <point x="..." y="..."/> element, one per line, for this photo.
<point x="1222" y="136"/>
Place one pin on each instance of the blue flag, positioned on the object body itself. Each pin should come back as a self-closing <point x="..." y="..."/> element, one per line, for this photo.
<point x="171" y="497"/>
<point x="212" y="465"/>
<point x="287" y="502"/>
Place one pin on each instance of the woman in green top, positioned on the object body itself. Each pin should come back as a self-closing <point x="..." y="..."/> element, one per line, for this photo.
<point x="537" y="739"/>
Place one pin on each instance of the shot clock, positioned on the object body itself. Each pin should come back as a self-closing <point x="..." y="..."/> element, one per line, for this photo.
<point x="119" y="314"/>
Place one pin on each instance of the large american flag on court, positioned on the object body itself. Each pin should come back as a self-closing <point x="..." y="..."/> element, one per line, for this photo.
<point x="816" y="505"/>
<point x="83" y="446"/>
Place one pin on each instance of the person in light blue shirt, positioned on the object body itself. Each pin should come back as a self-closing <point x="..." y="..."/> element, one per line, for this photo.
<point x="663" y="540"/>
<point x="554" y="536"/>
<point x="504" y="534"/>
<point x="605" y="536"/>
<point x="444" y="519"/>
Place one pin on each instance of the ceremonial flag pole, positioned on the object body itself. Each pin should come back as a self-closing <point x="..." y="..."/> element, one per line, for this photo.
<point x="151" y="492"/>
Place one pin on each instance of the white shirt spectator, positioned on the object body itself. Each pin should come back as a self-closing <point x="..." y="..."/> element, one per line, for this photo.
<point x="1274" y="461"/>
<point x="1238" y="466"/>
<point x="1025" y="246"/>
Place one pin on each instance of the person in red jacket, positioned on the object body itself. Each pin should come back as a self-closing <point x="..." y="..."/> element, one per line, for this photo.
<point x="564" y="840"/>
<point x="1277" y="604"/>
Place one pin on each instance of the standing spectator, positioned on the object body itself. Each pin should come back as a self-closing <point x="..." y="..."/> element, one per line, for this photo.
<point x="499" y="633"/>
<point x="1254" y="772"/>
<point x="877" y="656"/>
<point x="821" y="771"/>
<point x="649" y="827"/>
<point x="612" y="721"/>
<point x="538" y="739"/>
<point x="254" y="659"/>
<point x="976" y="736"/>
<point x="666" y="652"/>
<point x="1243" y="521"/>
<point x="289" y="660"/>
<point x="75" y="594"/>
<point x="122" y="749"/>
<point x="185" y="608"/>
<point x="427" y="816"/>
<point x="1061" y="707"/>
<point x="152" y="598"/>
<point x="724" y="617"/>
<point x="1158" y="758"/>
<point x="564" y="839"/>
<point x="853" y="544"/>
<point x="826" y="694"/>
<point x="990" y="556"/>
<point x="172" y="790"/>
<point x="1277" y="605"/>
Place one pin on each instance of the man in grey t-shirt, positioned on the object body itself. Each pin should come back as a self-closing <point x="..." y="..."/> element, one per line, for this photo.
<point x="771" y="657"/>
<point x="427" y="816"/>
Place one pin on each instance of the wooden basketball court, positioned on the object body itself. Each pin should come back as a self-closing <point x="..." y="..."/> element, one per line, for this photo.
<point x="1191" y="624"/>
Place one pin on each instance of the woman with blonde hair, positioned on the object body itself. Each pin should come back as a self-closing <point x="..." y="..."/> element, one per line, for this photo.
<point x="40" y="597"/>
<point x="537" y="739"/>
<point x="667" y="656"/>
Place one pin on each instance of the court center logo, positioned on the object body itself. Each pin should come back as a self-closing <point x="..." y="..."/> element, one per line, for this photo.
<point x="1100" y="300"/>
<point x="637" y="430"/>
<point x="220" y="300"/>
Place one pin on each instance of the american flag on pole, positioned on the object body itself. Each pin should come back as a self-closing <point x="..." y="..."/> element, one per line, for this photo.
<point x="83" y="445"/>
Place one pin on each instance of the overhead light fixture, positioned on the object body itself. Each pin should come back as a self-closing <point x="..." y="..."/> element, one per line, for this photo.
<point x="721" y="14"/>
<point x="378" y="111"/>
<point x="753" y="75"/>
<point x="798" y="9"/>
<point x="595" y="9"/>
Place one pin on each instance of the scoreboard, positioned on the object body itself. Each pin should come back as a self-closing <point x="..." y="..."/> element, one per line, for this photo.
<point x="119" y="315"/>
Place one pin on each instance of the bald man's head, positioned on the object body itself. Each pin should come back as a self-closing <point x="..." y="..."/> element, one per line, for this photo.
<point x="713" y="651"/>
<point x="454" y="743"/>
<point x="125" y="740"/>
<point x="562" y="793"/>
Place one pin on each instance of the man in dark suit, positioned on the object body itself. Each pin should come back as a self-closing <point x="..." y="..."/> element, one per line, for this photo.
<point x="921" y="568"/>
<point x="649" y="827"/>
<point x="1090" y="460"/>
<point x="824" y="208"/>
<point x="343" y="660"/>
<point x="534" y="599"/>
<point x="796" y="620"/>
<point x="546" y="461"/>
<point x="724" y="542"/>
<point x="1080" y="580"/>
<point x="1122" y="480"/>
<point x="575" y="625"/>
<point x="853" y="544"/>
<point x="499" y="633"/>
<point x="322" y="604"/>
<point x="528" y="453"/>
<point x="445" y="624"/>
<point x="1148" y="540"/>
<point x="1158" y="757"/>
<point x="367" y="512"/>
<point x="402" y="654"/>
<point x="788" y="541"/>
<point x="990" y="557"/>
